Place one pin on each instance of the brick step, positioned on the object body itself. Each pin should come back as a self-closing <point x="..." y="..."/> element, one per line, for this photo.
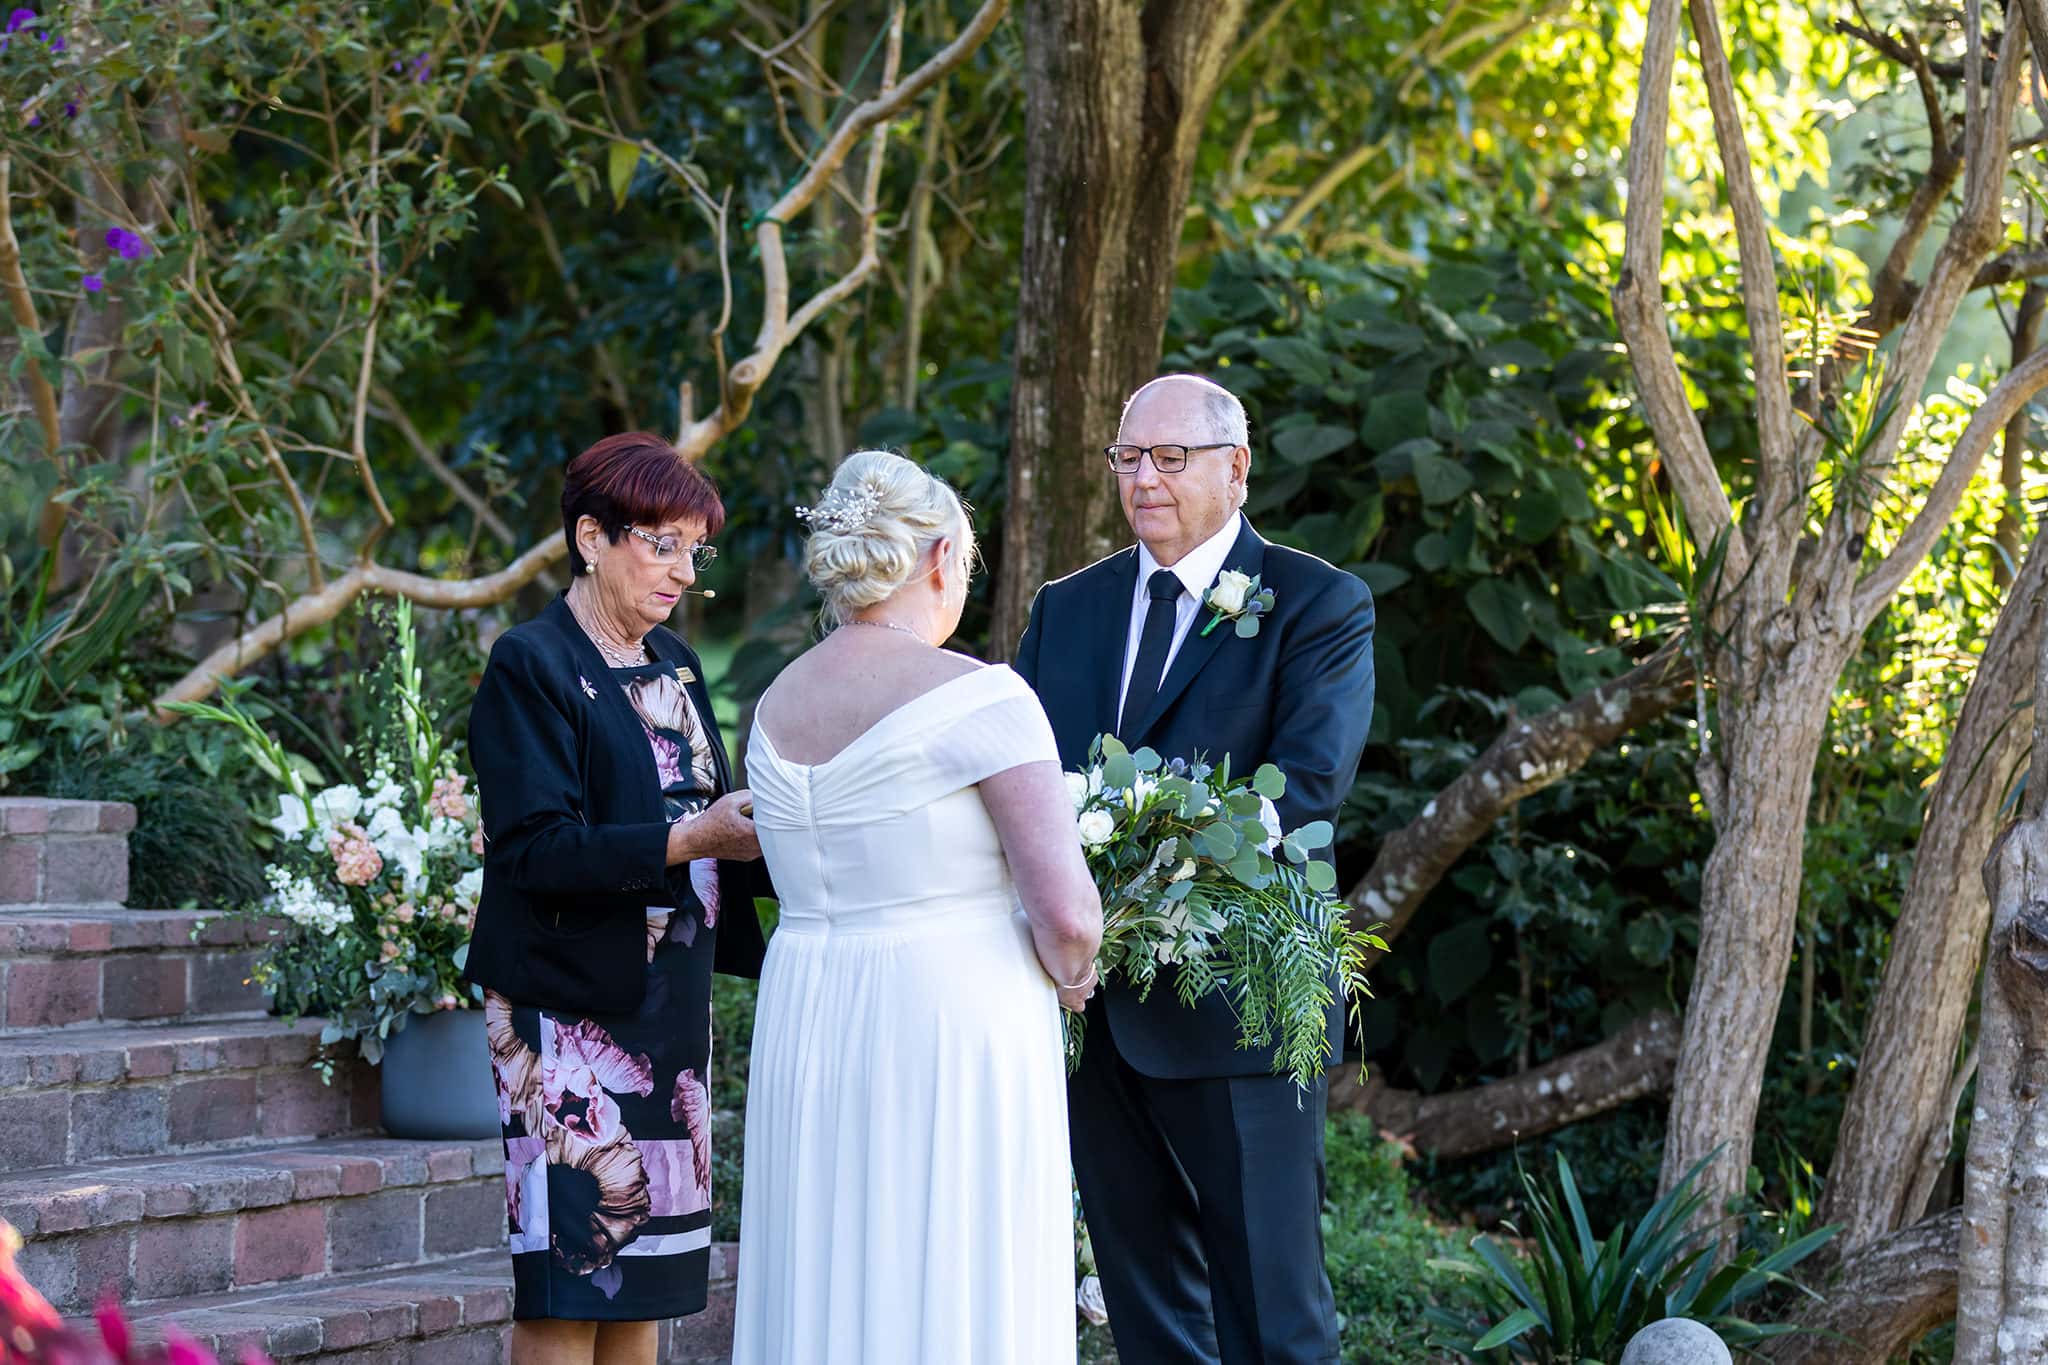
<point x="69" y="967"/>
<point x="454" y="1312"/>
<point x="63" y="852"/>
<point x="88" y="1094"/>
<point x="168" y="1228"/>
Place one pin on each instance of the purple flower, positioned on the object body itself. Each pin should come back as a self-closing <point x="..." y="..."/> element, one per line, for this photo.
<point x="94" y="283"/>
<point x="127" y="244"/>
<point x="57" y="43"/>
<point x="421" y="69"/>
<point x="70" y="108"/>
<point x="20" y="19"/>
<point x="35" y="120"/>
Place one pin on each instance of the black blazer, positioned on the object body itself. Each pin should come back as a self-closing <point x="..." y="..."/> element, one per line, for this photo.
<point x="576" y="844"/>
<point x="1298" y="695"/>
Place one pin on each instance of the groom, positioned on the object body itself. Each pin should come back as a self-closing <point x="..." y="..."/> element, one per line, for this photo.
<point x="1201" y="1171"/>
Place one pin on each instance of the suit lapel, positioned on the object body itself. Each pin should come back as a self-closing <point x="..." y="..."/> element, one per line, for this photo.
<point x="617" y="713"/>
<point x="1112" y="640"/>
<point x="1247" y="556"/>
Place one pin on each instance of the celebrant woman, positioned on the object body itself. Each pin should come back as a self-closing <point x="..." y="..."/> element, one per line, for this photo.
<point x="618" y="875"/>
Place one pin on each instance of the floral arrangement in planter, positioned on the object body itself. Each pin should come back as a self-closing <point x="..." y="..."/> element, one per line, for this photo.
<point x="376" y="877"/>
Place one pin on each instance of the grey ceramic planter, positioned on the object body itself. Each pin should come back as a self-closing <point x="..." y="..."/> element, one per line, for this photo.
<point x="436" y="1078"/>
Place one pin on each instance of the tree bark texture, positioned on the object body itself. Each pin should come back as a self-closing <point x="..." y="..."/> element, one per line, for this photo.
<point x="2002" y="1297"/>
<point x="1749" y="904"/>
<point x="1881" y="1299"/>
<point x="1899" y="1116"/>
<point x="1633" y="1063"/>
<point x="1115" y="97"/>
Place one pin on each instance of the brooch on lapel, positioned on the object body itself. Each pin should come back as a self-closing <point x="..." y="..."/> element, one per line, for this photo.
<point x="588" y="690"/>
<point x="1238" y="598"/>
<point x="684" y="675"/>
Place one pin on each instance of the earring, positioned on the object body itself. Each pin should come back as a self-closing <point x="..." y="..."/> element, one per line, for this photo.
<point x="588" y="568"/>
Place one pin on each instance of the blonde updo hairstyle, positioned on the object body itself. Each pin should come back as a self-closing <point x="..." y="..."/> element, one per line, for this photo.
<point x="856" y="560"/>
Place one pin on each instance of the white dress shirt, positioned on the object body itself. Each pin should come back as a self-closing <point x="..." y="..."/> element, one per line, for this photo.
<point x="1197" y="572"/>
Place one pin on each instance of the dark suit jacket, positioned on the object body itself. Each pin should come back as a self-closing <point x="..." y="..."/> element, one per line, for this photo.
<point x="575" y="839"/>
<point x="1298" y="695"/>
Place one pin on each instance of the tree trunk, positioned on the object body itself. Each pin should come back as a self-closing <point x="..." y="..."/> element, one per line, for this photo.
<point x="1749" y="903"/>
<point x="2013" y="456"/>
<point x="1633" y="1063"/>
<point x="1115" y="98"/>
<point x="2002" y="1296"/>
<point x="1900" y="1116"/>
<point x="1880" y="1300"/>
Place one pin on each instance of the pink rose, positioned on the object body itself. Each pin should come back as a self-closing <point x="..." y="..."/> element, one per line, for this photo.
<point x="476" y="842"/>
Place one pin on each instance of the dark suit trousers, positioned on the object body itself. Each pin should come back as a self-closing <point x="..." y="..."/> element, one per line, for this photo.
<point x="1204" y="1201"/>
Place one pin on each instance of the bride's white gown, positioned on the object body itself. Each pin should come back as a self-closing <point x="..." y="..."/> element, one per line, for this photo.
<point x="906" y="1193"/>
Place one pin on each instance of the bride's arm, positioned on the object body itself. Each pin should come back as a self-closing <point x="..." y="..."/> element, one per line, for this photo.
<point x="1035" y="818"/>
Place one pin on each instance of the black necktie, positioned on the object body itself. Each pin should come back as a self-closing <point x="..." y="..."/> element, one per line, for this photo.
<point x="1164" y="589"/>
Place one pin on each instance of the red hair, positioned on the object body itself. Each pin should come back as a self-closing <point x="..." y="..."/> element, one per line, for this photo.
<point x="635" y="479"/>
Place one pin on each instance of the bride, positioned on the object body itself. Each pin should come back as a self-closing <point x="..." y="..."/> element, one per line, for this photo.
<point x="906" y="1195"/>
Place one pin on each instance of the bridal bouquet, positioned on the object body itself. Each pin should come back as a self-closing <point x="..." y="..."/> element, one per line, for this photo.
<point x="1195" y="873"/>
<point x="377" y="875"/>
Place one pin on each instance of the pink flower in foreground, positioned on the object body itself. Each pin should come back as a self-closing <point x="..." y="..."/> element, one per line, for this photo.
<point x="356" y="860"/>
<point x="476" y="842"/>
<point x="448" y="798"/>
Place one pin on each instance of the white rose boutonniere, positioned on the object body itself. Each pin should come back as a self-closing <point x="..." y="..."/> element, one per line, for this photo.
<point x="1240" y="598"/>
<point x="1098" y="827"/>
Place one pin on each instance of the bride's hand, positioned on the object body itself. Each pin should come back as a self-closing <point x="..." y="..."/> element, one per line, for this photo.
<point x="1076" y="1001"/>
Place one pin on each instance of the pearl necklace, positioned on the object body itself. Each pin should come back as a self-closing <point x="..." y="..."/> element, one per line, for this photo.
<point x="613" y="655"/>
<point x="890" y="625"/>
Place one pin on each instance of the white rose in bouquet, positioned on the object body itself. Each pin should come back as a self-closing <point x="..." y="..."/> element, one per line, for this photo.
<point x="1077" y="790"/>
<point x="336" y="806"/>
<point x="1098" y="827"/>
<point x="1229" y="593"/>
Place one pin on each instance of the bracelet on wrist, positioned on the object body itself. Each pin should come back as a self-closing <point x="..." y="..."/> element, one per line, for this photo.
<point x="1086" y="981"/>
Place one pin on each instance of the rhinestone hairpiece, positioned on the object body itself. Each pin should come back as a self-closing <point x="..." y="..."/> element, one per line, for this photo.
<point x="843" y="511"/>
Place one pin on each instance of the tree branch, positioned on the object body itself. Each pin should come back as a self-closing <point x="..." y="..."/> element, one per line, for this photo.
<point x="1524" y="759"/>
<point x="778" y="328"/>
<point x="1635" y="1062"/>
<point x="1780" y="499"/>
<point x="2006" y="398"/>
<point x="1639" y="303"/>
<point x="318" y="608"/>
<point x="390" y="411"/>
<point x="23" y="306"/>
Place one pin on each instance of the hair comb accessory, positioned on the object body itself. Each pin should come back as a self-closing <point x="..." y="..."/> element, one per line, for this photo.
<point x="843" y="511"/>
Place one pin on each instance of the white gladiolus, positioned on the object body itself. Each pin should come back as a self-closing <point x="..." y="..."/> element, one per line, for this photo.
<point x="290" y="821"/>
<point x="400" y="846"/>
<point x="1098" y="827"/>
<point x="388" y="795"/>
<point x="1229" y="593"/>
<point x="469" y="888"/>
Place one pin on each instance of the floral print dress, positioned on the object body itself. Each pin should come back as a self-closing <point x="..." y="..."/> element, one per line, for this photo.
<point x="607" y="1118"/>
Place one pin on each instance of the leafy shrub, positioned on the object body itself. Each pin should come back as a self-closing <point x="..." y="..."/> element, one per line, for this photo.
<point x="1382" y="1251"/>
<point x="1590" y="1298"/>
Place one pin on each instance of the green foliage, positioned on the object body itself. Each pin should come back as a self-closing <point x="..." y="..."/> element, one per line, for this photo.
<point x="1583" y="1298"/>
<point x="194" y="844"/>
<point x="1382" y="1252"/>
